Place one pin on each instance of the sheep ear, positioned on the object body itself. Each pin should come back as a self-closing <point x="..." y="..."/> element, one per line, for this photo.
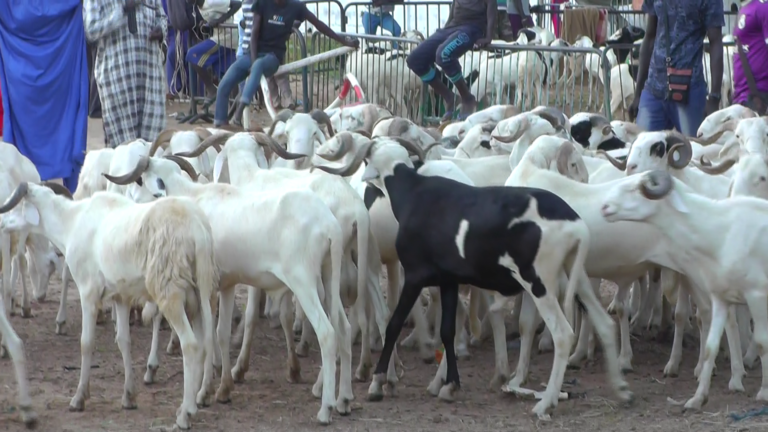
<point x="205" y="162"/>
<point x="218" y="166"/>
<point x="677" y="202"/>
<point x="31" y="215"/>
<point x="370" y="173"/>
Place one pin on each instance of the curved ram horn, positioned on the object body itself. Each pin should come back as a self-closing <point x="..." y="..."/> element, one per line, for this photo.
<point x="444" y="125"/>
<point x="282" y="116"/>
<point x="215" y="140"/>
<point x="346" y="141"/>
<point x="132" y="176"/>
<point x="620" y="165"/>
<point x="708" y="141"/>
<point x="266" y="140"/>
<point x="15" y="198"/>
<point x="202" y="133"/>
<point x="411" y="147"/>
<point x="162" y="140"/>
<point x="381" y="119"/>
<point x="58" y="189"/>
<point x="184" y="165"/>
<point x="363" y="132"/>
<point x="656" y="184"/>
<point x="522" y="128"/>
<point x="718" y="169"/>
<point x="321" y="116"/>
<point x="353" y="166"/>
<point x="680" y="147"/>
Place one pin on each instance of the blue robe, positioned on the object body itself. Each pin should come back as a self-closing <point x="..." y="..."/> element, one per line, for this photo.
<point x="44" y="78"/>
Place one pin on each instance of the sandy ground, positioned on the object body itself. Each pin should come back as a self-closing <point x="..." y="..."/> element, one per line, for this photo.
<point x="266" y="402"/>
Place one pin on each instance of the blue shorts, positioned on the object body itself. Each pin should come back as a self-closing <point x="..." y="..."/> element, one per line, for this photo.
<point x="208" y="54"/>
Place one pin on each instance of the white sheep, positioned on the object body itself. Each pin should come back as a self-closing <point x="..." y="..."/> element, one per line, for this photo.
<point x="712" y="242"/>
<point x="357" y="117"/>
<point x="243" y="159"/>
<point x="262" y="253"/>
<point x="120" y="250"/>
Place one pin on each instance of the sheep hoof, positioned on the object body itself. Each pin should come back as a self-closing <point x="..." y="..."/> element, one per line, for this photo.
<point x="302" y="349"/>
<point x="363" y="372"/>
<point x="29" y="417"/>
<point x="149" y="376"/>
<point x="324" y="415"/>
<point x="61" y="328"/>
<point x="448" y="392"/>
<point x="343" y="406"/>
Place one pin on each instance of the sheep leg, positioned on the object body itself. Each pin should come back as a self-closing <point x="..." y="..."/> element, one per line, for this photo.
<point x="585" y="332"/>
<point x="496" y="317"/>
<point x="87" y="338"/>
<point x="61" y="316"/>
<point x="529" y="321"/>
<point x="123" y="337"/>
<point x="16" y="350"/>
<point x="719" y="319"/>
<point x="173" y="343"/>
<point x="734" y="346"/>
<point x="21" y="270"/>
<point x="363" y="372"/>
<point x="293" y="372"/>
<point x="756" y="302"/>
<point x="153" y="361"/>
<point x="306" y="296"/>
<point x="272" y="313"/>
<point x="244" y="358"/>
<point x="191" y="351"/>
<point x="682" y="312"/>
<point x="606" y="331"/>
<point x="224" y="330"/>
<point x="545" y="341"/>
<point x="625" y="356"/>
<point x="302" y="349"/>
<point x="6" y="262"/>
<point x="745" y="330"/>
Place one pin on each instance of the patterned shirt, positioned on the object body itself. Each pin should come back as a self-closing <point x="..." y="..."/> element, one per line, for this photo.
<point x="752" y="31"/>
<point x="688" y="24"/>
<point x="248" y="16"/>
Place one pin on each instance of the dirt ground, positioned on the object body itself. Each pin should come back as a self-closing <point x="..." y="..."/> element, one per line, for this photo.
<point x="266" y="402"/>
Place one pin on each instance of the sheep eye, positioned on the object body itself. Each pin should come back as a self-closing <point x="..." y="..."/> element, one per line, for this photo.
<point x="762" y="178"/>
<point x="139" y="182"/>
<point x="160" y="184"/>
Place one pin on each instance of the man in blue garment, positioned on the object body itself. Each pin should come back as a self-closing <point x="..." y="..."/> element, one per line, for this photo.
<point x="45" y="96"/>
<point x="671" y="91"/>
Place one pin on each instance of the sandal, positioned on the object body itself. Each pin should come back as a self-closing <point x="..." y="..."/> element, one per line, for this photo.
<point x="448" y="116"/>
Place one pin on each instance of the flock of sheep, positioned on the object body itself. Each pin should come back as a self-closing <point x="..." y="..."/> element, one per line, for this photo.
<point x="534" y="207"/>
<point x="542" y="66"/>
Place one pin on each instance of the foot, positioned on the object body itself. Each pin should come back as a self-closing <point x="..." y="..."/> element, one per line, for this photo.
<point x="450" y="109"/>
<point x="237" y="118"/>
<point x="468" y="107"/>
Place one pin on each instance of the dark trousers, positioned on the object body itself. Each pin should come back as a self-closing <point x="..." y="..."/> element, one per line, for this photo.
<point x="444" y="48"/>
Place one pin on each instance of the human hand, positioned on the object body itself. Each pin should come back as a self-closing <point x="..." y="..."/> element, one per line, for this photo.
<point x="633" y="108"/>
<point x="482" y="42"/>
<point x="351" y="43"/>
<point x="712" y="106"/>
<point x="130" y="4"/>
<point x="156" y="34"/>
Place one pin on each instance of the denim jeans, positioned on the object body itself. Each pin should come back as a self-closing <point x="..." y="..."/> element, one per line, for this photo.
<point x="371" y="23"/>
<point x="242" y="68"/>
<point x="445" y="47"/>
<point x="659" y="114"/>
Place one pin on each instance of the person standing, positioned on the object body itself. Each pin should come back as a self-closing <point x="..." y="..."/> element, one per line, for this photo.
<point x="379" y="14"/>
<point x="267" y="29"/>
<point x="129" y="67"/>
<point x="671" y="91"/>
<point x="752" y="33"/>
<point x="519" y="15"/>
<point x="44" y="81"/>
<point x="471" y="23"/>
<point x="220" y="50"/>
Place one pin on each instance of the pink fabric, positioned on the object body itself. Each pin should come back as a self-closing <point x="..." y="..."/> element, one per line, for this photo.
<point x="556" y="17"/>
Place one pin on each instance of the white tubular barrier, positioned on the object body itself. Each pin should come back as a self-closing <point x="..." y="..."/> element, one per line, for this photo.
<point x="350" y="82"/>
<point x="336" y="52"/>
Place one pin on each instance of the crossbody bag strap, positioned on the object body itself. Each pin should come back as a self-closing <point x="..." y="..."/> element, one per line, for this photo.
<point x="745" y="66"/>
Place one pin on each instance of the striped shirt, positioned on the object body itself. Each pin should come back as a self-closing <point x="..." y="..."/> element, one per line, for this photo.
<point x="248" y="16"/>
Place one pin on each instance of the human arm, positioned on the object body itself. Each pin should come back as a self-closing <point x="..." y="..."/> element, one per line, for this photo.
<point x="234" y="6"/>
<point x="160" y="27"/>
<point x="327" y="31"/>
<point x="646" y="52"/>
<point x="490" y="14"/>
<point x="256" y="29"/>
<point x="714" y="20"/>
<point x="101" y="18"/>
